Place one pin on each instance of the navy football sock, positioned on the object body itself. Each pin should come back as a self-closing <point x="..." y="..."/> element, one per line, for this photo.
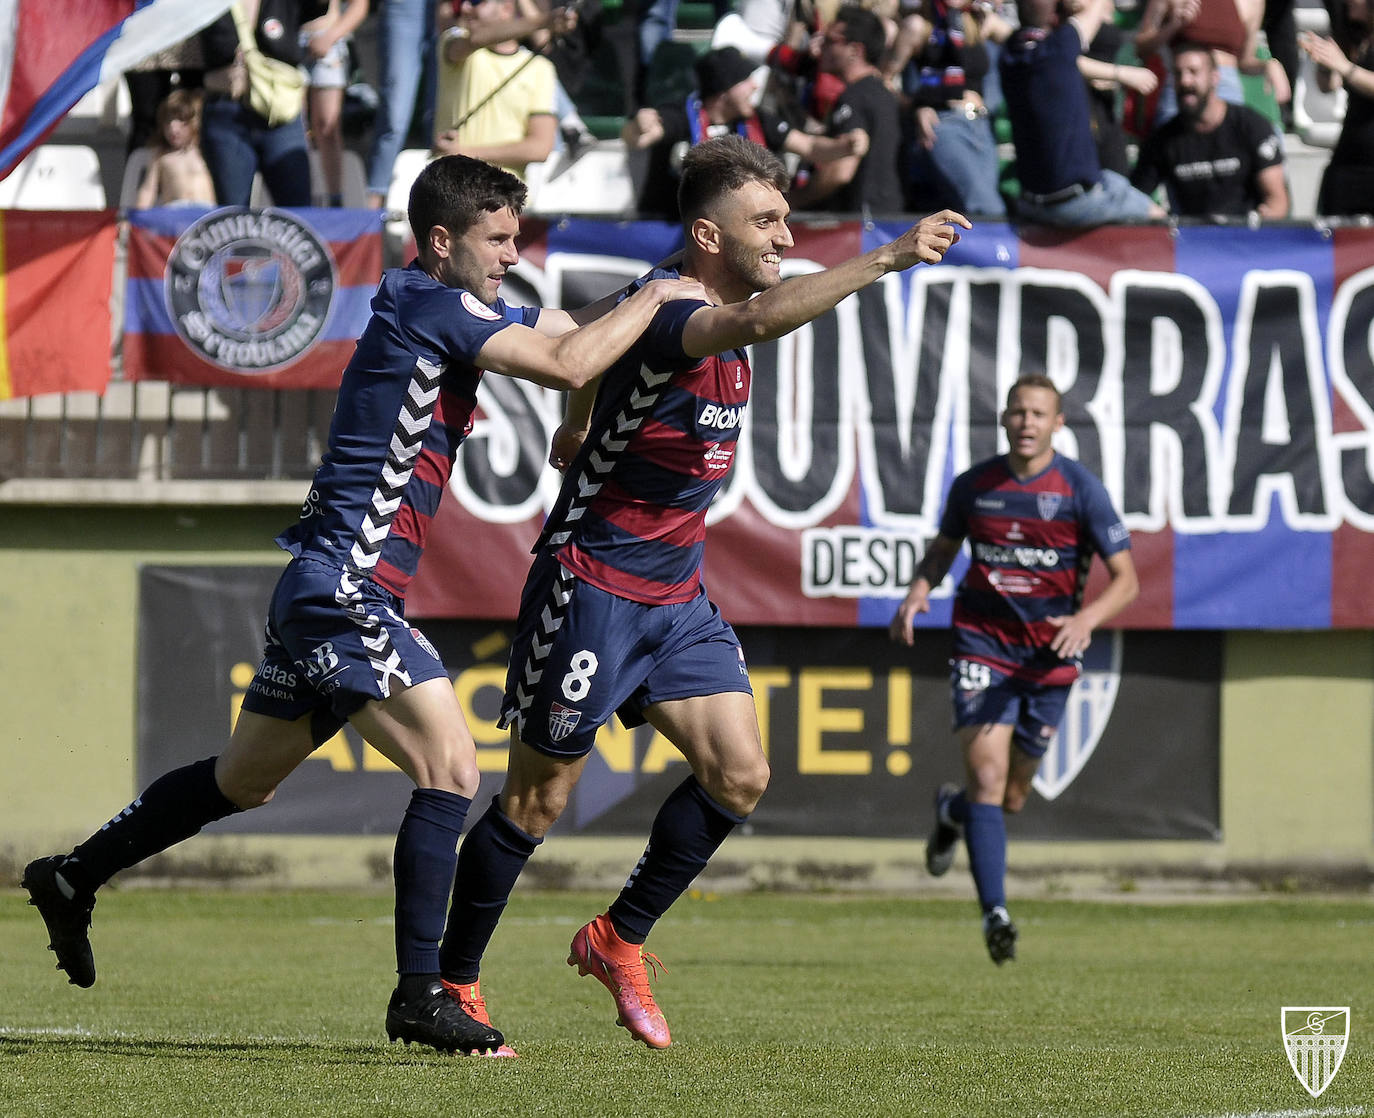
<point x="985" y="833"/>
<point x="173" y="808"/>
<point x="426" y="851"/>
<point x="689" y="828"/>
<point x="489" y="862"/>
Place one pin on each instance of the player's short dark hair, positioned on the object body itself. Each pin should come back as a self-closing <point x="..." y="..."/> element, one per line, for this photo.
<point x="1036" y="380"/>
<point x="456" y="191"/>
<point x="865" y="28"/>
<point x="715" y="168"/>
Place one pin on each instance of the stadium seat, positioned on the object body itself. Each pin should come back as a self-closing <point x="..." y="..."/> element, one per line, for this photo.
<point x="1317" y="116"/>
<point x="55" y="177"/>
<point x="598" y="182"/>
<point x="404" y="172"/>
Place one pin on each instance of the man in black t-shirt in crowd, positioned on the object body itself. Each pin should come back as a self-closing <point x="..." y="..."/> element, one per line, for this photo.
<point x="723" y="102"/>
<point x="852" y="49"/>
<point x="1214" y="158"/>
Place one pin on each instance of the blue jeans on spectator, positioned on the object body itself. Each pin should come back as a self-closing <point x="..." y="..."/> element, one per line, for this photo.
<point x="658" y="19"/>
<point x="237" y="143"/>
<point x="1112" y="200"/>
<point x="405" y="61"/>
<point x="960" y="171"/>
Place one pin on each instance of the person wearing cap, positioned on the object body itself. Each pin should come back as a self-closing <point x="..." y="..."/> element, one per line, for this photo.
<point x="722" y="103"/>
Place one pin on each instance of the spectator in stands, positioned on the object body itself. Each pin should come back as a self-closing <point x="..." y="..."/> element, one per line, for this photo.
<point x="324" y="41"/>
<point x="723" y="102"/>
<point x="496" y="98"/>
<point x="1214" y="159"/>
<point x="1107" y="78"/>
<point x="852" y="50"/>
<point x="1062" y="180"/>
<point x="236" y="141"/>
<point x="1347" y="60"/>
<point x="941" y="58"/>
<point x="150" y="81"/>
<point x="1230" y="27"/>
<point x="406" y="36"/>
<point x="177" y="173"/>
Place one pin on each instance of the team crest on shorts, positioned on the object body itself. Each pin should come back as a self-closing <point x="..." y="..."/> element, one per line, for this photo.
<point x="1314" y="1036"/>
<point x="1085" y="716"/>
<point x="249" y="290"/>
<point x="562" y="721"/>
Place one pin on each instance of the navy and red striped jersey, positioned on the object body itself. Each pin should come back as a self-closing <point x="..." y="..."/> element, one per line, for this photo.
<point x="631" y="516"/>
<point x="1031" y="544"/>
<point x="405" y="404"/>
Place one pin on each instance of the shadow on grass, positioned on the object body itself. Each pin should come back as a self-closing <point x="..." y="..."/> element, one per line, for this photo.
<point x="252" y="1050"/>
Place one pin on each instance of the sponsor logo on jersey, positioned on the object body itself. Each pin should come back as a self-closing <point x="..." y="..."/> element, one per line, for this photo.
<point x="721" y="417"/>
<point x="1314" y="1036"/>
<point x="478" y="309"/>
<point x="998" y="555"/>
<point x="989" y="503"/>
<point x="249" y="290"/>
<point x="562" y="721"/>
<point x="719" y="456"/>
<point x="1047" y="504"/>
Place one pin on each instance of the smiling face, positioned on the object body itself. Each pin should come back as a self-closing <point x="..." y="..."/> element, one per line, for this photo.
<point x="477" y="260"/>
<point x="1030" y="419"/>
<point x="752" y="238"/>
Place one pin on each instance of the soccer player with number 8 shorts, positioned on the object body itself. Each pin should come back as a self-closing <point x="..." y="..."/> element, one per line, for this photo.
<point x="614" y="617"/>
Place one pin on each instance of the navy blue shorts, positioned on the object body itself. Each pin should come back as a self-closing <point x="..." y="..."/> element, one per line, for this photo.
<point x="582" y="654"/>
<point x="985" y="696"/>
<point x="333" y="642"/>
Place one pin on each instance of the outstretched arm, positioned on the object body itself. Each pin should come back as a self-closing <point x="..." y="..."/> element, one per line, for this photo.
<point x="574" y="358"/>
<point x="798" y="300"/>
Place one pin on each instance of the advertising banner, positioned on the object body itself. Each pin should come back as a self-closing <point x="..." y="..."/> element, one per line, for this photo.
<point x="1219" y="380"/>
<point x="245" y="298"/>
<point x="857" y="730"/>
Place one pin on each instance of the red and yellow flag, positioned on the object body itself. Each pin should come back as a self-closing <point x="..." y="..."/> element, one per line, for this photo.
<point x="56" y="270"/>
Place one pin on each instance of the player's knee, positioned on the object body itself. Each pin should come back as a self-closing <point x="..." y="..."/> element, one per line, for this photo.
<point x="987" y="779"/>
<point x="739" y="786"/>
<point x="451" y="767"/>
<point x="534" y="810"/>
<point x="244" y="794"/>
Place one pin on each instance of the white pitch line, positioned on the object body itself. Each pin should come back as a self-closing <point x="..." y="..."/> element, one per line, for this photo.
<point x="1324" y="1112"/>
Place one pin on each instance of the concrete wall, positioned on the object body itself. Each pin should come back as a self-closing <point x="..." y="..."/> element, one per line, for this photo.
<point x="1297" y="737"/>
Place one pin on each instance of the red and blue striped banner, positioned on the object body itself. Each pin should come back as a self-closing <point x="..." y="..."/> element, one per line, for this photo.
<point x="248" y="298"/>
<point x="1219" y="379"/>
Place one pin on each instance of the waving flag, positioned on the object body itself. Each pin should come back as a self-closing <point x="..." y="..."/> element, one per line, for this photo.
<point x="53" y="52"/>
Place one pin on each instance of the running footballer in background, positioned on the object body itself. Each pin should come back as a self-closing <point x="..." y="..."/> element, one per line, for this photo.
<point x="1033" y="519"/>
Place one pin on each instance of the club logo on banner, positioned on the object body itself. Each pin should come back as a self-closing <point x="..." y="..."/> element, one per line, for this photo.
<point x="1314" y="1036"/>
<point x="250" y="290"/>
<point x="1086" y="716"/>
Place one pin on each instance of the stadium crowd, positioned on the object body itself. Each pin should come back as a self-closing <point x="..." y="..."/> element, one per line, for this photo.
<point x="1062" y="112"/>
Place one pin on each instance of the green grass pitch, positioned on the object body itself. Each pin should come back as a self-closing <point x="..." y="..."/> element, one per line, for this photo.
<point x="265" y="1004"/>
